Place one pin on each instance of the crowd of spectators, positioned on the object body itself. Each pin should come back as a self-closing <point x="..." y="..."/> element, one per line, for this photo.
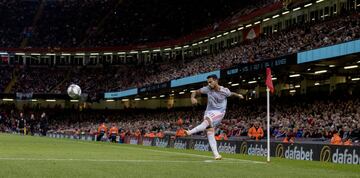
<point x="299" y="38"/>
<point x="6" y="75"/>
<point x="95" y="80"/>
<point x="67" y="23"/>
<point x="38" y="79"/>
<point x="291" y="117"/>
<point x="70" y="19"/>
<point x="92" y="23"/>
<point x="16" y="21"/>
<point x="157" y="24"/>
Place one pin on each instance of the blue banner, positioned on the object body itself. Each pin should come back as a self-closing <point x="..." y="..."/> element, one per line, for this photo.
<point x="120" y="94"/>
<point x="259" y="66"/>
<point x="193" y="79"/>
<point x="154" y="87"/>
<point x="329" y="52"/>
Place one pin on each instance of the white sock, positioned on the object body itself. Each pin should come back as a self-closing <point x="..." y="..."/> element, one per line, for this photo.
<point x="200" y="127"/>
<point x="212" y="142"/>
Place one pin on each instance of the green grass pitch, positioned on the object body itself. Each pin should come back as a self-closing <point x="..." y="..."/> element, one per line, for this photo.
<point x="26" y="156"/>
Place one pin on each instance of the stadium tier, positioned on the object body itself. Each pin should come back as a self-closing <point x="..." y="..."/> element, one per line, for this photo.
<point x="263" y="78"/>
<point x="97" y="80"/>
<point x="111" y="23"/>
<point x="310" y="119"/>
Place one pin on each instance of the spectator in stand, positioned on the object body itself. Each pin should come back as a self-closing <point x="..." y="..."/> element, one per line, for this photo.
<point x="137" y="133"/>
<point x="180" y="132"/>
<point x="102" y="130"/>
<point x="336" y="139"/>
<point x="256" y="132"/>
<point x="221" y="136"/>
<point x="355" y="135"/>
<point x="6" y="76"/>
<point x="348" y="142"/>
<point x="113" y="133"/>
<point x="160" y="134"/>
<point x="290" y="136"/>
<point x="122" y="136"/>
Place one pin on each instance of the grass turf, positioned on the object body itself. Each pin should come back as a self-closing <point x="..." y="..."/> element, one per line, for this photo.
<point x="25" y="156"/>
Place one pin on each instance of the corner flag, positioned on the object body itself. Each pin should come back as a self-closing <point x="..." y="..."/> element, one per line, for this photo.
<point x="270" y="87"/>
<point x="268" y="82"/>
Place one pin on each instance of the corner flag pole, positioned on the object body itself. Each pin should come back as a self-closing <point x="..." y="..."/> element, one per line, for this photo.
<point x="269" y="87"/>
<point x="268" y="123"/>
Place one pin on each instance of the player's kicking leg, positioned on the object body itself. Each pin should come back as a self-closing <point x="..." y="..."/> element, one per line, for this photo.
<point x="201" y="127"/>
<point x="210" y="131"/>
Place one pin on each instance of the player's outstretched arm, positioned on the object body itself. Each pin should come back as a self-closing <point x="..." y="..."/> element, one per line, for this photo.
<point x="193" y="96"/>
<point x="237" y="95"/>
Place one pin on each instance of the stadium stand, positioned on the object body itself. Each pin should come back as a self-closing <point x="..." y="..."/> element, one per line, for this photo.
<point x="106" y="23"/>
<point x="310" y="119"/>
<point x="307" y="122"/>
<point x="6" y="76"/>
<point x="298" y="38"/>
<point x="126" y="82"/>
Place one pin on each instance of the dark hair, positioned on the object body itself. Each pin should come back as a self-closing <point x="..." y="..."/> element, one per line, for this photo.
<point x="213" y="76"/>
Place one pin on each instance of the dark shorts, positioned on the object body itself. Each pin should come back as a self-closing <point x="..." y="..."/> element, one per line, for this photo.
<point x="99" y="137"/>
<point x="113" y="138"/>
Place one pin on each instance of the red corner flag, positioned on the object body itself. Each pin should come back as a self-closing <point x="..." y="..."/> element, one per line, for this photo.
<point x="268" y="82"/>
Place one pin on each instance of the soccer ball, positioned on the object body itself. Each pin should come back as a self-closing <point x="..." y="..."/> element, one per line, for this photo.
<point x="74" y="91"/>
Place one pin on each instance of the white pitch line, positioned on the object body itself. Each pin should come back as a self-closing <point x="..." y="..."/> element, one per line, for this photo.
<point x="204" y="156"/>
<point x="177" y="153"/>
<point x="120" y="160"/>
